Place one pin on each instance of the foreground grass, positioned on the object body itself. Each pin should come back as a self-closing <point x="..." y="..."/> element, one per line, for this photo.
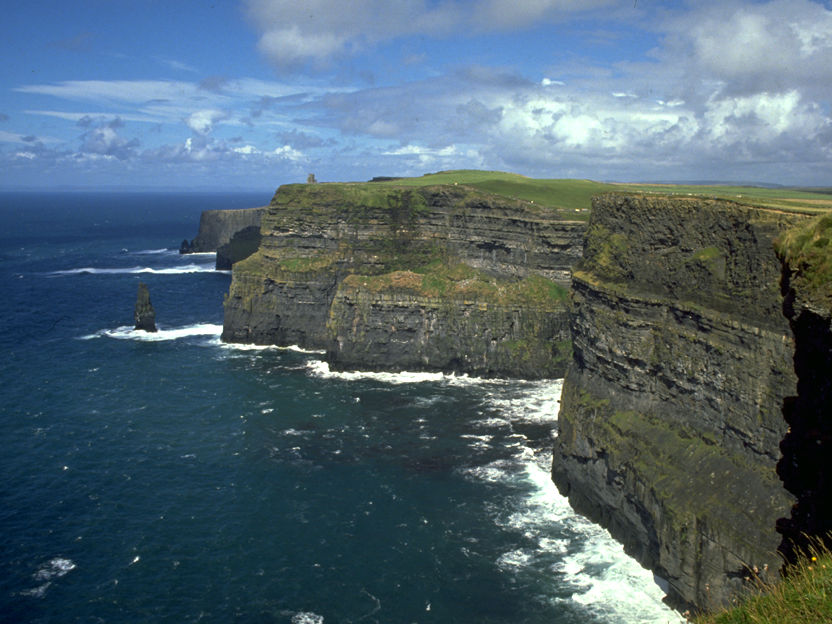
<point x="803" y="597"/>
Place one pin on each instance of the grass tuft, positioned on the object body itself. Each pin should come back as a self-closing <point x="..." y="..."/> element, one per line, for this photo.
<point x="803" y="596"/>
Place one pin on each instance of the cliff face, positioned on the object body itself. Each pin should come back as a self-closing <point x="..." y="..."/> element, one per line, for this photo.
<point x="217" y="227"/>
<point x="473" y="333"/>
<point x="472" y="278"/>
<point x="671" y="418"/>
<point x="806" y="462"/>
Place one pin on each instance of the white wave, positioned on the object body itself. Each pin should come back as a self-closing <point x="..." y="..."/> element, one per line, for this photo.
<point x="155" y="252"/>
<point x="515" y="559"/>
<point x="555" y="540"/>
<point x="137" y="270"/>
<point x="307" y="617"/>
<point x="604" y="579"/>
<point x="126" y="332"/>
<point x="54" y="568"/>
<point x="45" y="574"/>
<point x="539" y="402"/>
<point x="319" y="368"/>
<point x="244" y="346"/>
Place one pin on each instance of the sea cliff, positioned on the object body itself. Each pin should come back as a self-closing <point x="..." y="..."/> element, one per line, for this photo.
<point x="233" y="234"/>
<point x="671" y="416"/>
<point x="433" y="278"/>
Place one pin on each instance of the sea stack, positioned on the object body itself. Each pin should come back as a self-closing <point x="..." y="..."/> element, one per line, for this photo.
<point x="145" y="315"/>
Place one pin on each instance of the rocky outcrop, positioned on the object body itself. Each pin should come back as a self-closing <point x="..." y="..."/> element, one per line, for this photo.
<point x="473" y="278"/>
<point x="670" y="419"/>
<point x="144" y="314"/>
<point x="217" y="227"/>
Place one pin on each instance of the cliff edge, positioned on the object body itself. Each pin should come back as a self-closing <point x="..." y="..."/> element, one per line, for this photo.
<point x="671" y="415"/>
<point x="393" y="277"/>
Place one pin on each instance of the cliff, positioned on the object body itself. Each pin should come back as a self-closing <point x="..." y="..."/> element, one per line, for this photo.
<point x="217" y="227"/>
<point x="395" y="277"/>
<point x="671" y="419"/>
<point x="806" y="461"/>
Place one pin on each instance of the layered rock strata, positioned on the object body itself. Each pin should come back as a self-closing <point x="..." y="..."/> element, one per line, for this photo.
<point x="239" y="247"/>
<point x="670" y="419"/>
<point x="217" y="227"/>
<point x="354" y="269"/>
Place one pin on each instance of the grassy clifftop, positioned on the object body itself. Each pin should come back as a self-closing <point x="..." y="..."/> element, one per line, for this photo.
<point x="577" y="194"/>
<point x="808" y="251"/>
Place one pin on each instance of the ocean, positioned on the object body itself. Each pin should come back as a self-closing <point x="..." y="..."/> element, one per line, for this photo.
<point x="171" y="478"/>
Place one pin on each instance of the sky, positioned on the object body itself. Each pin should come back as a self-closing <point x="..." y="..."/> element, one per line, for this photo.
<point x="251" y="94"/>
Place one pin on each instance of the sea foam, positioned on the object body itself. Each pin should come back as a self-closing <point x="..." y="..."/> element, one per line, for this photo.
<point x="604" y="581"/>
<point x="53" y="569"/>
<point x="125" y="332"/>
<point x="137" y="270"/>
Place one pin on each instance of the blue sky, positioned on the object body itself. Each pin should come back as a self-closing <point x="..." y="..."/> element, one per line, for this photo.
<point x="250" y="94"/>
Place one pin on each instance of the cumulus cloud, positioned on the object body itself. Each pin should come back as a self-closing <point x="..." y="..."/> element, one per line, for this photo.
<point x="202" y="121"/>
<point x="104" y="140"/>
<point x="753" y="48"/>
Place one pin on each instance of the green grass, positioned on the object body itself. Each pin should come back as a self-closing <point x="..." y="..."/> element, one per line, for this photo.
<point x="804" y="596"/>
<point x="577" y="194"/>
<point x="808" y="249"/>
<point x="574" y="196"/>
<point x="787" y="199"/>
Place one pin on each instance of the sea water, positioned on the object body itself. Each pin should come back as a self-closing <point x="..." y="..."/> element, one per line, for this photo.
<point x="169" y="477"/>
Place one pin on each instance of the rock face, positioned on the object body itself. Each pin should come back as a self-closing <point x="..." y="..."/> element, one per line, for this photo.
<point x="217" y="227"/>
<point x="241" y="245"/>
<point x="386" y="277"/>
<point x="670" y="419"/>
<point x="807" y="448"/>
<point x="144" y="314"/>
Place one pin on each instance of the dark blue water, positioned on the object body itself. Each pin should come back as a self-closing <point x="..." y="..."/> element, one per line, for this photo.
<point x="170" y="478"/>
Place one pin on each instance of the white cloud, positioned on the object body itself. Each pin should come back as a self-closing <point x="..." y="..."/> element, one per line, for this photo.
<point x="202" y="121"/>
<point x="755" y="47"/>
<point x="246" y="149"/>
<point x="289" y="153"/>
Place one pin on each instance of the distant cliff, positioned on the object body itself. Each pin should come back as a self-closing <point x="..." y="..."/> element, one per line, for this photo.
<point x="217" y="227"/>
<point x="433" y="278"/>
<point x="671" y="416"/>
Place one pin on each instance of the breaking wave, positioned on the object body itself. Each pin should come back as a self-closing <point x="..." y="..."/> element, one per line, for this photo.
<point x="126" y="332"/>
<point x="179" y="270"/>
